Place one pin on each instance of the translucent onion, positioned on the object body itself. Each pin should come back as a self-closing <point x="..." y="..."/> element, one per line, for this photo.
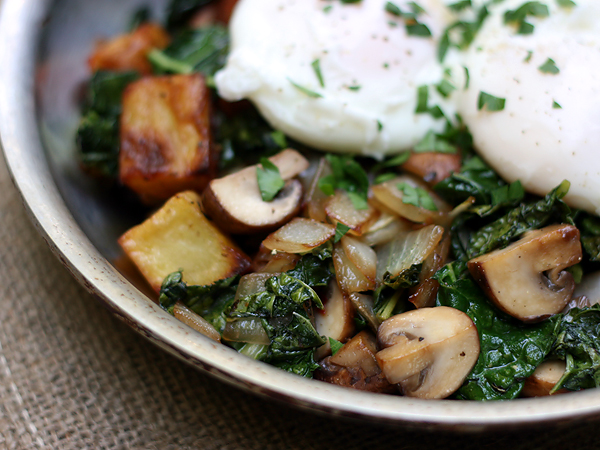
<point x="392" y="198"/>
<point x="315" y="198"/>
<point x="299" y="236"/>
<point x="349" y="277"/>
<point x="423" y="295"/>
<point x="406" y="250"/>
<point x="249" y="330"/>
<point x="361" y="255"/>
<point x="363" y="303"/>
<point x="340" y="208"/>
<point x="195" y="321"/>
<point x="252" y="283"/>
<point x="384" y="229"/>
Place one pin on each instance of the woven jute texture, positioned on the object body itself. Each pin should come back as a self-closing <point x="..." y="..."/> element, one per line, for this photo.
<point x="72" y="377"/>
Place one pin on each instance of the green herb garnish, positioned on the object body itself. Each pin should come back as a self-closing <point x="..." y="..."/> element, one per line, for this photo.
<point x="269" y="179"/>
<point x="416" y="196"/>
<point x="490" y="102"/>
<point x="549" y="67"/>
<point x="316" y="65"/>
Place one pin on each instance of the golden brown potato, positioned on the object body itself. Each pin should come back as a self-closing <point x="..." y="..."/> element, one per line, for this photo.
<point x="165" y="137"/>
<point x="432" y="167"/>
<point x="178" y="236"/>
<point x="128" y="51"/>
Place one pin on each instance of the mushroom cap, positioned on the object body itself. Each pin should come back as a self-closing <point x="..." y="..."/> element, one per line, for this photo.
<point x="234" y="202"/>
<point x="527" y="279"/>
<point x="428" y="352"/>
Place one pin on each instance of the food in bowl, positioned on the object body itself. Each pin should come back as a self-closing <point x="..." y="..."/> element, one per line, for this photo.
<point x="422" y="273"/>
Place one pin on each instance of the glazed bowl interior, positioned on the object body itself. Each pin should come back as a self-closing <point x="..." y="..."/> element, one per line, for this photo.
<point x="43" y="51"/>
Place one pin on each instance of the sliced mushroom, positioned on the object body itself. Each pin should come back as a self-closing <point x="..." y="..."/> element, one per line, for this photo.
<point x="299" y="236"/>
<point x="355" y="366"/>
<point x="544" y="378"/>
<point x="428" y="352"/>
<point x="234" y="202"/>
<point x="527" y="279"/>
<point x="335" y="320"/>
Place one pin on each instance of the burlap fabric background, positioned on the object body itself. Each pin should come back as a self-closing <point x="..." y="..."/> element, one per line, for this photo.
<point x="72" y="376"/>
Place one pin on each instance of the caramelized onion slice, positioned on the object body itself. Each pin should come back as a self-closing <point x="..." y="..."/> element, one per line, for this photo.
<point x="299" y="236"/>
<point x="195" y="321"/>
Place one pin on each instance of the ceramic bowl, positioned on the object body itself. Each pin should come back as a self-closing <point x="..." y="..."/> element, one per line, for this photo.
<point x="43" y="50"/>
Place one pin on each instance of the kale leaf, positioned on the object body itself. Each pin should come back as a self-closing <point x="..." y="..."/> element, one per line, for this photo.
<point x="510" y="350"/>
<point x="98" y="133"/>
<point x="285" y="310"/>
<point x="245" y="137"/>
<point x="529" y="215"/>
<point x="589" y="227"/>
<point x="180" y="11"/>
<point x="578" y="343"/>
<point x="202" y="50"/>
<point x="209" y="301"/>
<point x="313" y="270"/>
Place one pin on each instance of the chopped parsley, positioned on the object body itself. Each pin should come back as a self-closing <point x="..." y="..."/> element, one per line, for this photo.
<point x="269" y="179"/>
<point x="519" y="16"/>
<point x="418" y="29"/>
<point x="392" y="8"/>
<point x="432" y="142"/>
<point x="416" y="196"/>
<point x="566" y="3"/>
<point x="460" y="5"/>
<point x="306" y="91"/>
<point x="555" y="105"/>
<point x="445" y="88"/>
<point x="528" y="57"/>
<point x="490" y="102"/>
<point x="340" y="231"/>
<point x="467" y="78"/>
<point x="335" y="345"/>
<point x="354" y="88"/>
<point x="327" y="8"/>
<point x="316" y="65"/>
<point x="549" y="67"/>
<point x="348" y="175"/>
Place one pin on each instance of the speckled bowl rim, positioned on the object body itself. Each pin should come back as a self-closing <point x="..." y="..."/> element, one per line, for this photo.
<point x="20" y="26"/>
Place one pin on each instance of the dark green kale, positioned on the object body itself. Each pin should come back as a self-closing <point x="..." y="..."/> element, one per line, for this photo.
<point x="469" y="242"/>
<point x="140" y="17"/>
<point x="510" y="350"/>
<point x="98" y="133"/>
<point x="313" y="270"/>
<point x="179" y="12"/>
<point x="578" y="343"/>
<point x="388" y="302"/>
<point x="210" y="301"/>
<point x="589" y="227"/>
<point x="285" y="310"/>
<point x="475" y="179"/>
<point x="201" y="50"/>
<point x="246" y="137"/>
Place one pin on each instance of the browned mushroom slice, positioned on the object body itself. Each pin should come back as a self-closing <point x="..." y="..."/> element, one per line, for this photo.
<point x="234" y="202"/>
<point x="335" y="320"/>
<point x="428" y="352"/>
<point x="355" y="366"/>
<point x="527" y="279"/>
<point x="544" y="378"/>
<point x="299" y="236"/>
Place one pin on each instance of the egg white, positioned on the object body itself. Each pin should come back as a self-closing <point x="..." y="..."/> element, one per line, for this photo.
<point x="371" y="71"/>
<point x="549" y="129"/>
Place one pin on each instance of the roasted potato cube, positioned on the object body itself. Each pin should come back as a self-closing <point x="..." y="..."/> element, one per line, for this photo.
<point x="165" y="137"/>
<point x="128" y="51"/>
<point x="178" y="236"/>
